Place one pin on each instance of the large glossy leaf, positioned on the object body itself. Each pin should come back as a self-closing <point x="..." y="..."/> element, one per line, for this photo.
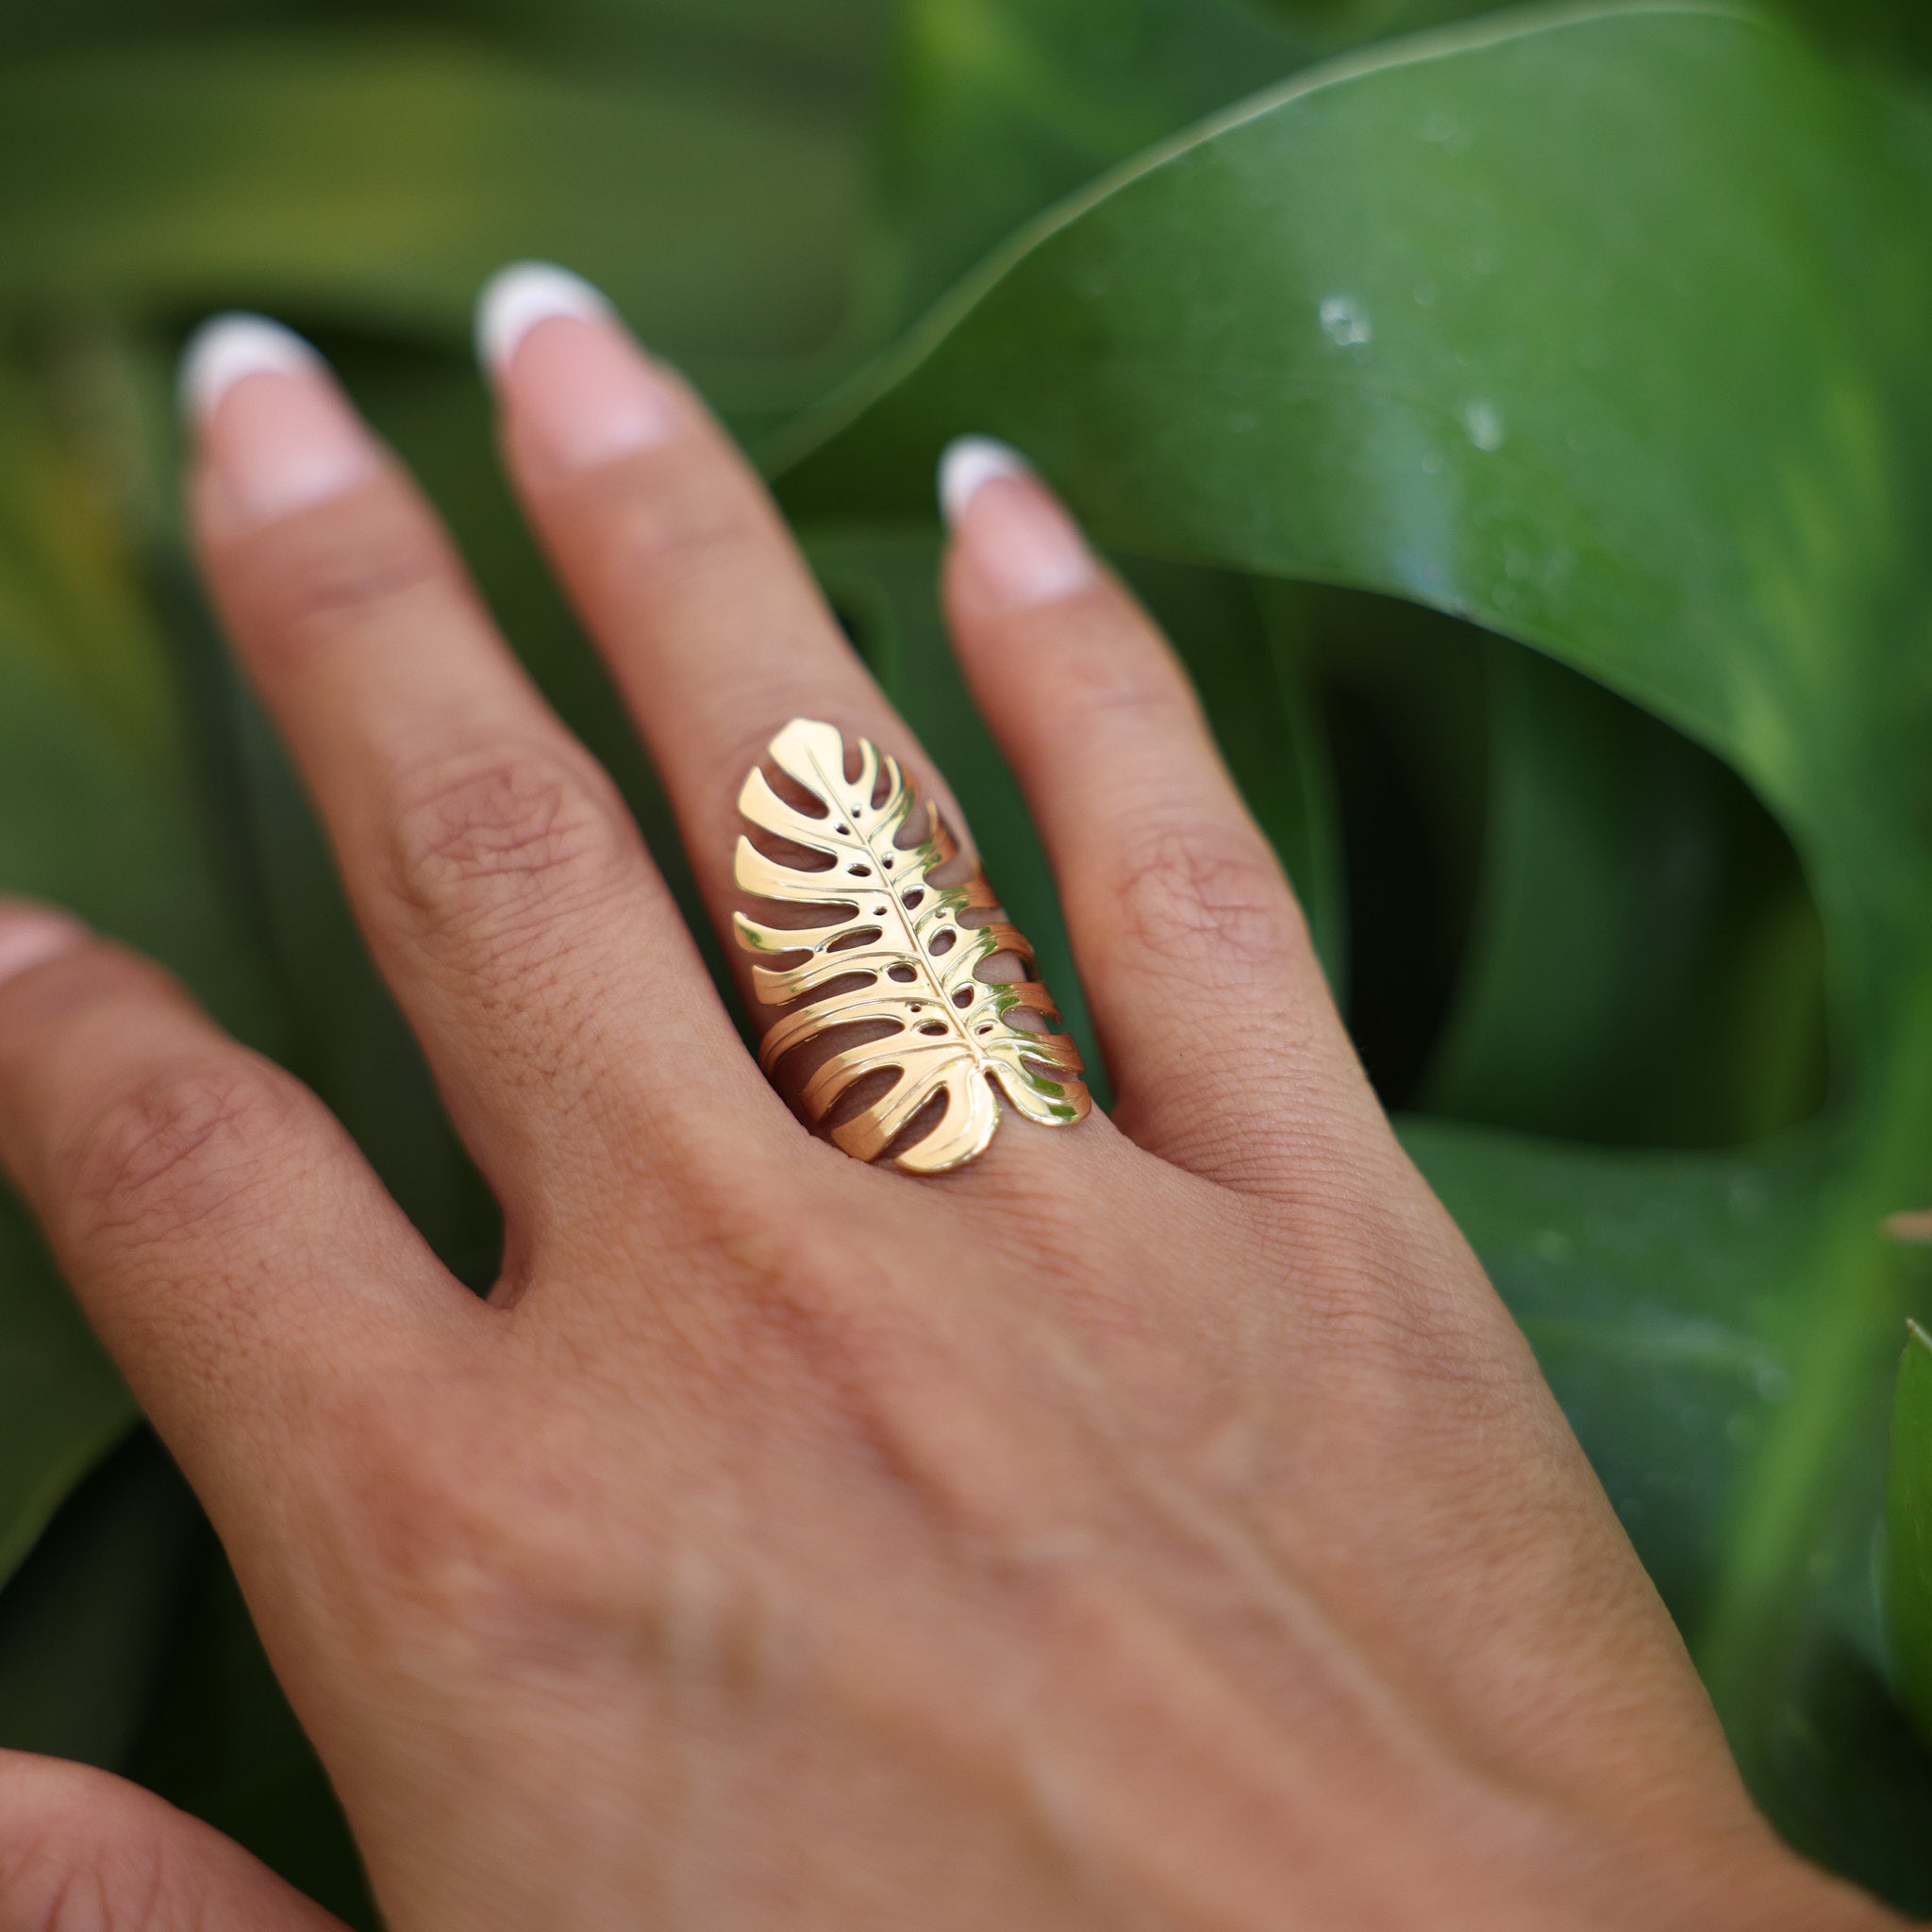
<point x="1002" y="107"/>
<point x="1646" y="964"/>
<point x="1394" y="696"/>
<point x="1398" y="326"/>
<point x="1665" y="1296"/>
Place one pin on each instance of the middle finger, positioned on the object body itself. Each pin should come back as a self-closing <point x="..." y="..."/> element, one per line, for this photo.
<point x="676" y="554"/>
<point x="713" y="627"/>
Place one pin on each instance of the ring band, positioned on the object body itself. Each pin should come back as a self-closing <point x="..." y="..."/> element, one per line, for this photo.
<point x="903" y="949"/>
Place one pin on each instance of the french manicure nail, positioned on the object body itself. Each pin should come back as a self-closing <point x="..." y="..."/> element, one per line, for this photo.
<point x="515" y="299"/>
<point x="578" y="389"/>
<point x="1011" y="530"/>
<point x="32" y="935"/>
<point x="227" y="347"/>
<point x="969" y="465"/>
<point x="276" y="433"/>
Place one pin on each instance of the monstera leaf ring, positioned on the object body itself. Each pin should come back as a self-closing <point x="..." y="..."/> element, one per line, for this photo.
<point x="908" y="1000"/>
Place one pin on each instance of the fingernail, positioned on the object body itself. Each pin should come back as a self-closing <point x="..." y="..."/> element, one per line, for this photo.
<point x="1011" y="531"/>
<point x="515" y="299"/>
<point x="276" y="434"/>
<point x="32" y="935"/>
<point x="578" y="389"/>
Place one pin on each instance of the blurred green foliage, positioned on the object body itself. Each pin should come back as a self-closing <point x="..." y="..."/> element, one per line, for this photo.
<point x="1908" y="1524"/>
<point x="1524" y="432"/>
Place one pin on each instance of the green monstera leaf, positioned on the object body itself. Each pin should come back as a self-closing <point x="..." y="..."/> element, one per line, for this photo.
<point x="1397" y="327"/>
<point x="1646" y="963"/>
<point x="999" y="108"/>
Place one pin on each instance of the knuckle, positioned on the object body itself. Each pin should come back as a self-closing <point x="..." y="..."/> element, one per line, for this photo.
<point x="485" y="1550"/>
<point x="1091" y="665"/>
<point x="328" y="581"/>
<point x="833" y="1346"/>
<point x="821" y="1311"/>
<point x="1400" y="1330"/>
<point x="93" y="979"/>
<point x="664" y="531"/>
<point x="1208" y="900"/>
<point x="181" y="1144"/>
<point x="503" y="830"/>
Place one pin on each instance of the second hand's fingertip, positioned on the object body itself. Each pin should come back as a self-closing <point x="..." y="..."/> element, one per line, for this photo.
<point x="35" y="935"/>
<point x="225" y="348"/>
<point x="517" y="297"/>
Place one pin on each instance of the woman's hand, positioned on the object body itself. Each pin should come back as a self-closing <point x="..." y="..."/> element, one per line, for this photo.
<point x="1159" y="1523"/>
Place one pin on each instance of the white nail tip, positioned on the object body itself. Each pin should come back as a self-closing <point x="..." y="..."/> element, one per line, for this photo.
<point x="227" y="347"/>
<point x="969" y="465"/>
<point x="515" y="299"/>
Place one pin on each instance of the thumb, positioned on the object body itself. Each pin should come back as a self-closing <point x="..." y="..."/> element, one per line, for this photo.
<point x="81" y="1851"/>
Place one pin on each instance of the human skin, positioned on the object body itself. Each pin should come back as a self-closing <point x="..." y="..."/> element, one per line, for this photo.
<point x="1158" y="1523"/>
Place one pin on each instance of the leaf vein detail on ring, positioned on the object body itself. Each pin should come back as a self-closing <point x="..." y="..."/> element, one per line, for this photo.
<point x="889" y="983"/>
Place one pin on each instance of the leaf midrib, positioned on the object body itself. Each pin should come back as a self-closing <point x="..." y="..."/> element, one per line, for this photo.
<point x="834" y="791"/>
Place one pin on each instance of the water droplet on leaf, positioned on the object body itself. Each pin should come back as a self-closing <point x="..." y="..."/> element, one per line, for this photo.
<point x="1344" y="324"/>
<point x="1484" y="422"/>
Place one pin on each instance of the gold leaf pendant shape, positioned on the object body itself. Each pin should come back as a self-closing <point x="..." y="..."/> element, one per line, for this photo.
<point x="900" y="953"/>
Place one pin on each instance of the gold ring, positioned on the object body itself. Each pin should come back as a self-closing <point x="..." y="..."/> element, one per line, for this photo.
<point x="900" y="959"/>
